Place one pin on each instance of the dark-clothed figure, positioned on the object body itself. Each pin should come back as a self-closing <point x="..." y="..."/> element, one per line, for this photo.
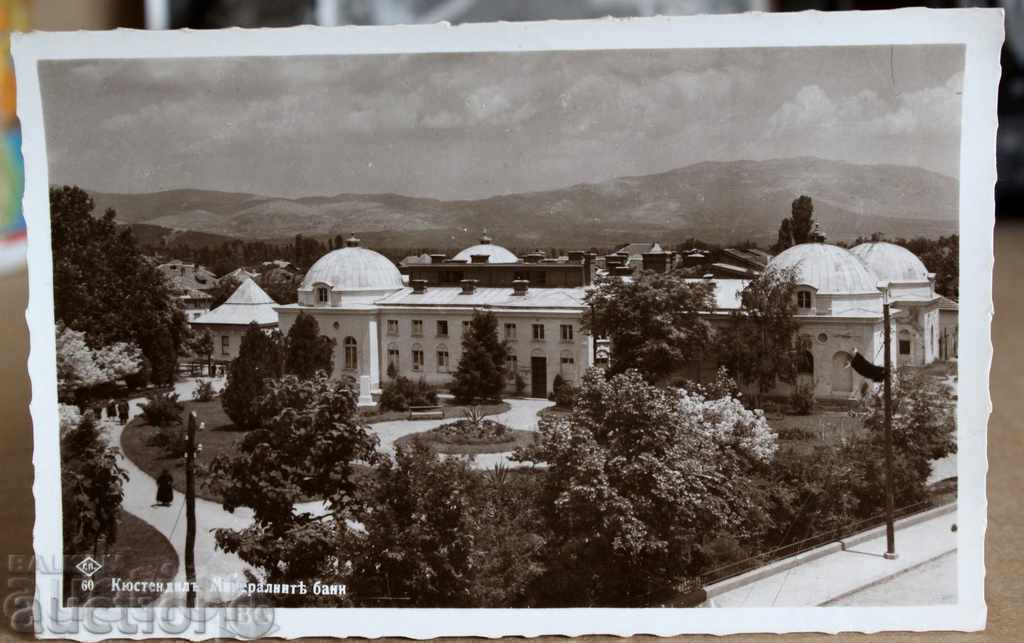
<point x="122" y="411"/>
<point x="164" y="489"/>
<point x="111" y="409"/>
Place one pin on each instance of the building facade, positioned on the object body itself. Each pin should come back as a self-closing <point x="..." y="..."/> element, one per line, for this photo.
<point x="414" y="323"/>
<point x="228" y="323"/>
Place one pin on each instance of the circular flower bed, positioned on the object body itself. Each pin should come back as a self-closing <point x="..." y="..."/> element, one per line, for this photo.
<point x="468" y="436"/>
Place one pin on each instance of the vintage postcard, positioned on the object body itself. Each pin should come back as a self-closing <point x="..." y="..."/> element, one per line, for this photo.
<point x="599" y="327"/>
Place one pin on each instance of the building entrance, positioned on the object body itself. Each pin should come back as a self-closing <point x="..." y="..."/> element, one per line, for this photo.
<point x="539" y="376"/>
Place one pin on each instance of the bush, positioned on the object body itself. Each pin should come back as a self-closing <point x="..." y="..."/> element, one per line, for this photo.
<point x="472" y="431"/>
<point x="162" y="410"/>
<point x="401" y="393"/>
<point x="563" y="393"/>
<point x="141" y="378"/>
<point x="802" y="399"/>
<point x="520" y="384"/>
<point x="171" y="440"/>
<point x="204" y="391"/>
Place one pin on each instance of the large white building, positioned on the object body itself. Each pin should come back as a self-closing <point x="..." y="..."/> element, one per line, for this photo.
<point x="416" y="323"/>
<point x="839" y="299"/>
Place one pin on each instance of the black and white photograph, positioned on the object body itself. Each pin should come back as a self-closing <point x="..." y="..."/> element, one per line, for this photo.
<point x="678" y="327"/>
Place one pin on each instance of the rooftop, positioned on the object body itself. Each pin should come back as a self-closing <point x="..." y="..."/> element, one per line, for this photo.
<point x="494" y="297"/>
<point x="247" y="304"/>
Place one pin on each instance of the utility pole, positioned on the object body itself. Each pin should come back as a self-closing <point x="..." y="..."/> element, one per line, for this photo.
<point x="190" y="509"/>
<point x="890" y="528"/>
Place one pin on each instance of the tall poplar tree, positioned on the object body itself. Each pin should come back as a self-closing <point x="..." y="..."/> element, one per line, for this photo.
<point x="481" y="371"/>
<point x="260" y="357"/>
<point x="307" y="352"/>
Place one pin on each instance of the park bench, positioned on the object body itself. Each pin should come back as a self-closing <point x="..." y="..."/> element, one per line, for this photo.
<point x="426" y="412"/>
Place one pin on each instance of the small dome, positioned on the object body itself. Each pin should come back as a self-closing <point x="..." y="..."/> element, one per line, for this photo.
<point x="891" y="262"/>
<point x="493" y="252"/>
<point x="829" y="269"/>
<point x="354" y="268"/>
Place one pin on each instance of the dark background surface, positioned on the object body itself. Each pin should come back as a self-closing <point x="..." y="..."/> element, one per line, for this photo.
<point x="1004" y="542"/>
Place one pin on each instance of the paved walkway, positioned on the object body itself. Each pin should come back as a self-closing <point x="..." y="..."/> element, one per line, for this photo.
<point x="211" y="563"/>
<point x="840" y="574"/>
<point x="933" y="583"/>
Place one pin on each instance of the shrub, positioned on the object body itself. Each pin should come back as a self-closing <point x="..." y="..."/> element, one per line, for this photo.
<point x="520" y="384"/>
<point x="802" y="399"/>
<point x="204" y="391"/>
<point x="162" y="410"/>
<point x="563" y="393"/>
<point x="171" y="440"/>
<point x="472" y="431"/>
<point x="401" y="393"/>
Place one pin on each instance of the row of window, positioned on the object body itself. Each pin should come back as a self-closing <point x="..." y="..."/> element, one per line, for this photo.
<point x="566" y="331"/>
<point x="443" y="361"/>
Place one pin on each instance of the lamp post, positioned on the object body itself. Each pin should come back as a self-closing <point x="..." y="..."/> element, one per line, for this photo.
<point x="890" y="528"/>
<point x="191" y="450"/>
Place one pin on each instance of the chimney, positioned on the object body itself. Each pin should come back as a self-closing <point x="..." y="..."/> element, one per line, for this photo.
<point x="468" y="286"/>
<point x="352" y="242"/>
<point x="534" y="257"/>
<point x="438" y="258"/>
<point x="656" y="261"/>
<point x="576" y="256"/>
<point x="589" y="265"/>
<point x="478" y="258"/>
<point x="419" y="286"/>
<point x="484" y="239"/>
<point x="520" y="286"/>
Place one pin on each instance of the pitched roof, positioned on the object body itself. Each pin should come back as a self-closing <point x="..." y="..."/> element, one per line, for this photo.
<point x="247" y="304"/>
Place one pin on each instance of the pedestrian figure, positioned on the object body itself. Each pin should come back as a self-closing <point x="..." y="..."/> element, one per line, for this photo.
<point x="111" y="410"/>
<point x="164" y="489"/>
<point x="122" y="411"/>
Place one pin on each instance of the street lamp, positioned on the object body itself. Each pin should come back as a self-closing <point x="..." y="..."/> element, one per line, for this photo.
<point x="890" y="528"/>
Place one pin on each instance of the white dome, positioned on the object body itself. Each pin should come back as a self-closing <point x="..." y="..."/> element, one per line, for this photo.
<point x="354" y="269"/>
<point x="494" y="253"/>
<point x="890" y="262"/>
<point x="829" y="269"/>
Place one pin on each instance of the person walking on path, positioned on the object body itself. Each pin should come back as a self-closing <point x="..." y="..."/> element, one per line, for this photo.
<point x="111" y="409"/>
<point x="164" y="489"/>
<point x="122" y="411"/>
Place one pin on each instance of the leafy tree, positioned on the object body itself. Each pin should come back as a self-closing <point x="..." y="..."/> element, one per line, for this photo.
<point x="760" y="345"/>
<point x="307" y="352"/>
<point x="637" y="478"/>
<point x="104" y="287"/>
<point x="796" y="228"/>
<point x="260" y="357"/>
<point x="419" y="530"/>
<point x="654" y="323"/>
<point x="202" y="345"/>
<point x="162" y="409"/>
<point x="481" y="370"/>
<point x="923" y="429"/>
<point x="80" y="368"/>
<point x="91" y="487"/>
<point x="307" y="444"/>
<point x="226" y="286"/>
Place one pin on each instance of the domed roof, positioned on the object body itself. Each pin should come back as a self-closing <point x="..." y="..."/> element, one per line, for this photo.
<point x="828" y="268"/>
<point x="891" y="262"/>
<point x="354" y="268"/>
<point x="493" y="252"/>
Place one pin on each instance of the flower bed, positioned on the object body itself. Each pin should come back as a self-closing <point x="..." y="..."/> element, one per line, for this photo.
<point x="468" y="436"/>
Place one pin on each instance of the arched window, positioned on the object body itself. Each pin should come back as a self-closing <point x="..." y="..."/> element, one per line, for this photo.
<point x="323" y="295"/>
<point x="803" y="299"/>
<point x="351" y="354"/>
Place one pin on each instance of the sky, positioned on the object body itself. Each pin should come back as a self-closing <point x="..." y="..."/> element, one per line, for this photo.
<point x="462" y="126"/>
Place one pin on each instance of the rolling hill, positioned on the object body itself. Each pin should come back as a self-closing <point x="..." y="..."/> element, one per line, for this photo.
<point x="723" y="202"/>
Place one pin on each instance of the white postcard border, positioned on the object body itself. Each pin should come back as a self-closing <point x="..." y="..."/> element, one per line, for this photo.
<point x="981" y="31"/>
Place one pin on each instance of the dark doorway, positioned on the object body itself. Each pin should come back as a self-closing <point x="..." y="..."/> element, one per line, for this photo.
<point x="539" y="376"/>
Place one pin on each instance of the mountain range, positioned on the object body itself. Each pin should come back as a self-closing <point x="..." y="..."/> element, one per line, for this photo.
<point x="719" y="202"/>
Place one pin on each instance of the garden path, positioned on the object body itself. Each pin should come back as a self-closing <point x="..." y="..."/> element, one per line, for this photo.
<point x="140" y="494"/>
<point x="522" y="415"/>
